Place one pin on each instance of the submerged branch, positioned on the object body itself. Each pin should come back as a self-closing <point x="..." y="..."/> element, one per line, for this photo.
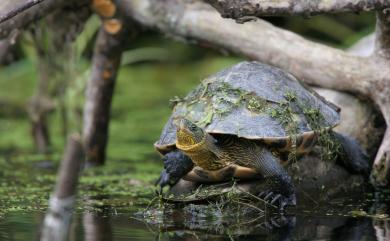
<point x="58" y="217"/>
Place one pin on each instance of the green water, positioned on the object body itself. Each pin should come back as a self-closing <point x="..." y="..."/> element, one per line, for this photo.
<point x="118" y="200"/>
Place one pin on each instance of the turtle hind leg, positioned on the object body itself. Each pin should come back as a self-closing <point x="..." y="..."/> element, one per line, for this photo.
<point x="176" y="166"/>
<point x="280" y="193"/>
<point x="281" y="190"/>
<point x="352" y="156"/>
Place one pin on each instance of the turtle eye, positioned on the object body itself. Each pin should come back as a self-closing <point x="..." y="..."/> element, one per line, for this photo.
<point x="193" y="127"/>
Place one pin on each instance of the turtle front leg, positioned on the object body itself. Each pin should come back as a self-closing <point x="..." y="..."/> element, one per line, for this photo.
<point x="176" y="165"/>
<point x="281" y="191"/>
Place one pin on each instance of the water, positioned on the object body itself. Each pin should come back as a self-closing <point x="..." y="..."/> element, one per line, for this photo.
<point x="87" y="226"/>
<point x="118" y="202"/>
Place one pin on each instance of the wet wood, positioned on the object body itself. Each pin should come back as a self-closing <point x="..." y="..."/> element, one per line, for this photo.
<point x="70" y="168"/>
<point x="58" y="217"/>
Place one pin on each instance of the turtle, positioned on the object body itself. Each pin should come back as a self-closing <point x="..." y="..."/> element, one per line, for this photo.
<point x="248" y="122"/>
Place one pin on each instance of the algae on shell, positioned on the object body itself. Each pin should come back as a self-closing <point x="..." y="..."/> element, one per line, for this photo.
<point x="218" y="98"/>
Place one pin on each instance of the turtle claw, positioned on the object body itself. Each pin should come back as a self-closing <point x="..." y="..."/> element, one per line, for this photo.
<point x="268" y="196"/>
<point x="163" y="180"/>
<point x="278" y="199"/>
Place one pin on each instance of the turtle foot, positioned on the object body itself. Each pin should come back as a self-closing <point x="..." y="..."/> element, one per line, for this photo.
<point x="163" y="180"/>
<point x="278" y="199"/>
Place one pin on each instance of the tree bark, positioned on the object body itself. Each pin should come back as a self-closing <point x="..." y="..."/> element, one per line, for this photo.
<point x="18" y="8"/>
<point x="70" y="168"/>
<point x="238" y="9"/>
<point x="105" y="62"/>
<point x="57" y="219"/>
<point x="18" y="14"/>
<point x="381" y="95"/>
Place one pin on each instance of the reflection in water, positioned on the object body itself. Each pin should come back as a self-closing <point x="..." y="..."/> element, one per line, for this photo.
<point x="381" y="225"/>
<point x="178" y="224"/>
<point x="96" y="227"/>
<point x="57" y="220"/>
<point x="350" y="229"/>
<point x="19" y="226"/>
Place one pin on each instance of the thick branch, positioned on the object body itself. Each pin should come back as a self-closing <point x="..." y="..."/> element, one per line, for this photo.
<point x="14" y="16"/>
<point x="242" y="8"/>
<point x="100" y="88"/>
<point x="381" y="95"/>
<point x="382" y="44"/>
<point x="17" y="9"/>
<point x="105" y="62"/>
<point x="363" y="47"/>
<point x="314" y="63"/>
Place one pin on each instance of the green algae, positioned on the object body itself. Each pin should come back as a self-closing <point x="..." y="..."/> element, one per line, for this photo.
<point x="218" y="100"/>
<point x="330" y="147"/>
<point x="255" y="104"/>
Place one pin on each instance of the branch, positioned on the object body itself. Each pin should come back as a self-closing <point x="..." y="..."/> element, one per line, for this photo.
<point x="314" y="63"/>
<point x="7" y="46"/>
<point x="57" y="219"/>
<point x="382" y="44"/>
<point x="257" y="8"/>
<point x="381" y="168"/>
<point x="18" y="9"/>
<point x="363" y="47"/>
<point x="18" y="17"/>
<point x="109" y="46"/>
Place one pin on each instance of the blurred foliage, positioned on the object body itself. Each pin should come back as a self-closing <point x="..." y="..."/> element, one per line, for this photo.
<point x="338" y="30"/>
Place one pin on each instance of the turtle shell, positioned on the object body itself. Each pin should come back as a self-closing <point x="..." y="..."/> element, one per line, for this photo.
<point x="254" y="101"/>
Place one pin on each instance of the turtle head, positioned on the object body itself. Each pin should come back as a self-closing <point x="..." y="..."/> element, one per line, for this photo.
<point x="188" y="134"/>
